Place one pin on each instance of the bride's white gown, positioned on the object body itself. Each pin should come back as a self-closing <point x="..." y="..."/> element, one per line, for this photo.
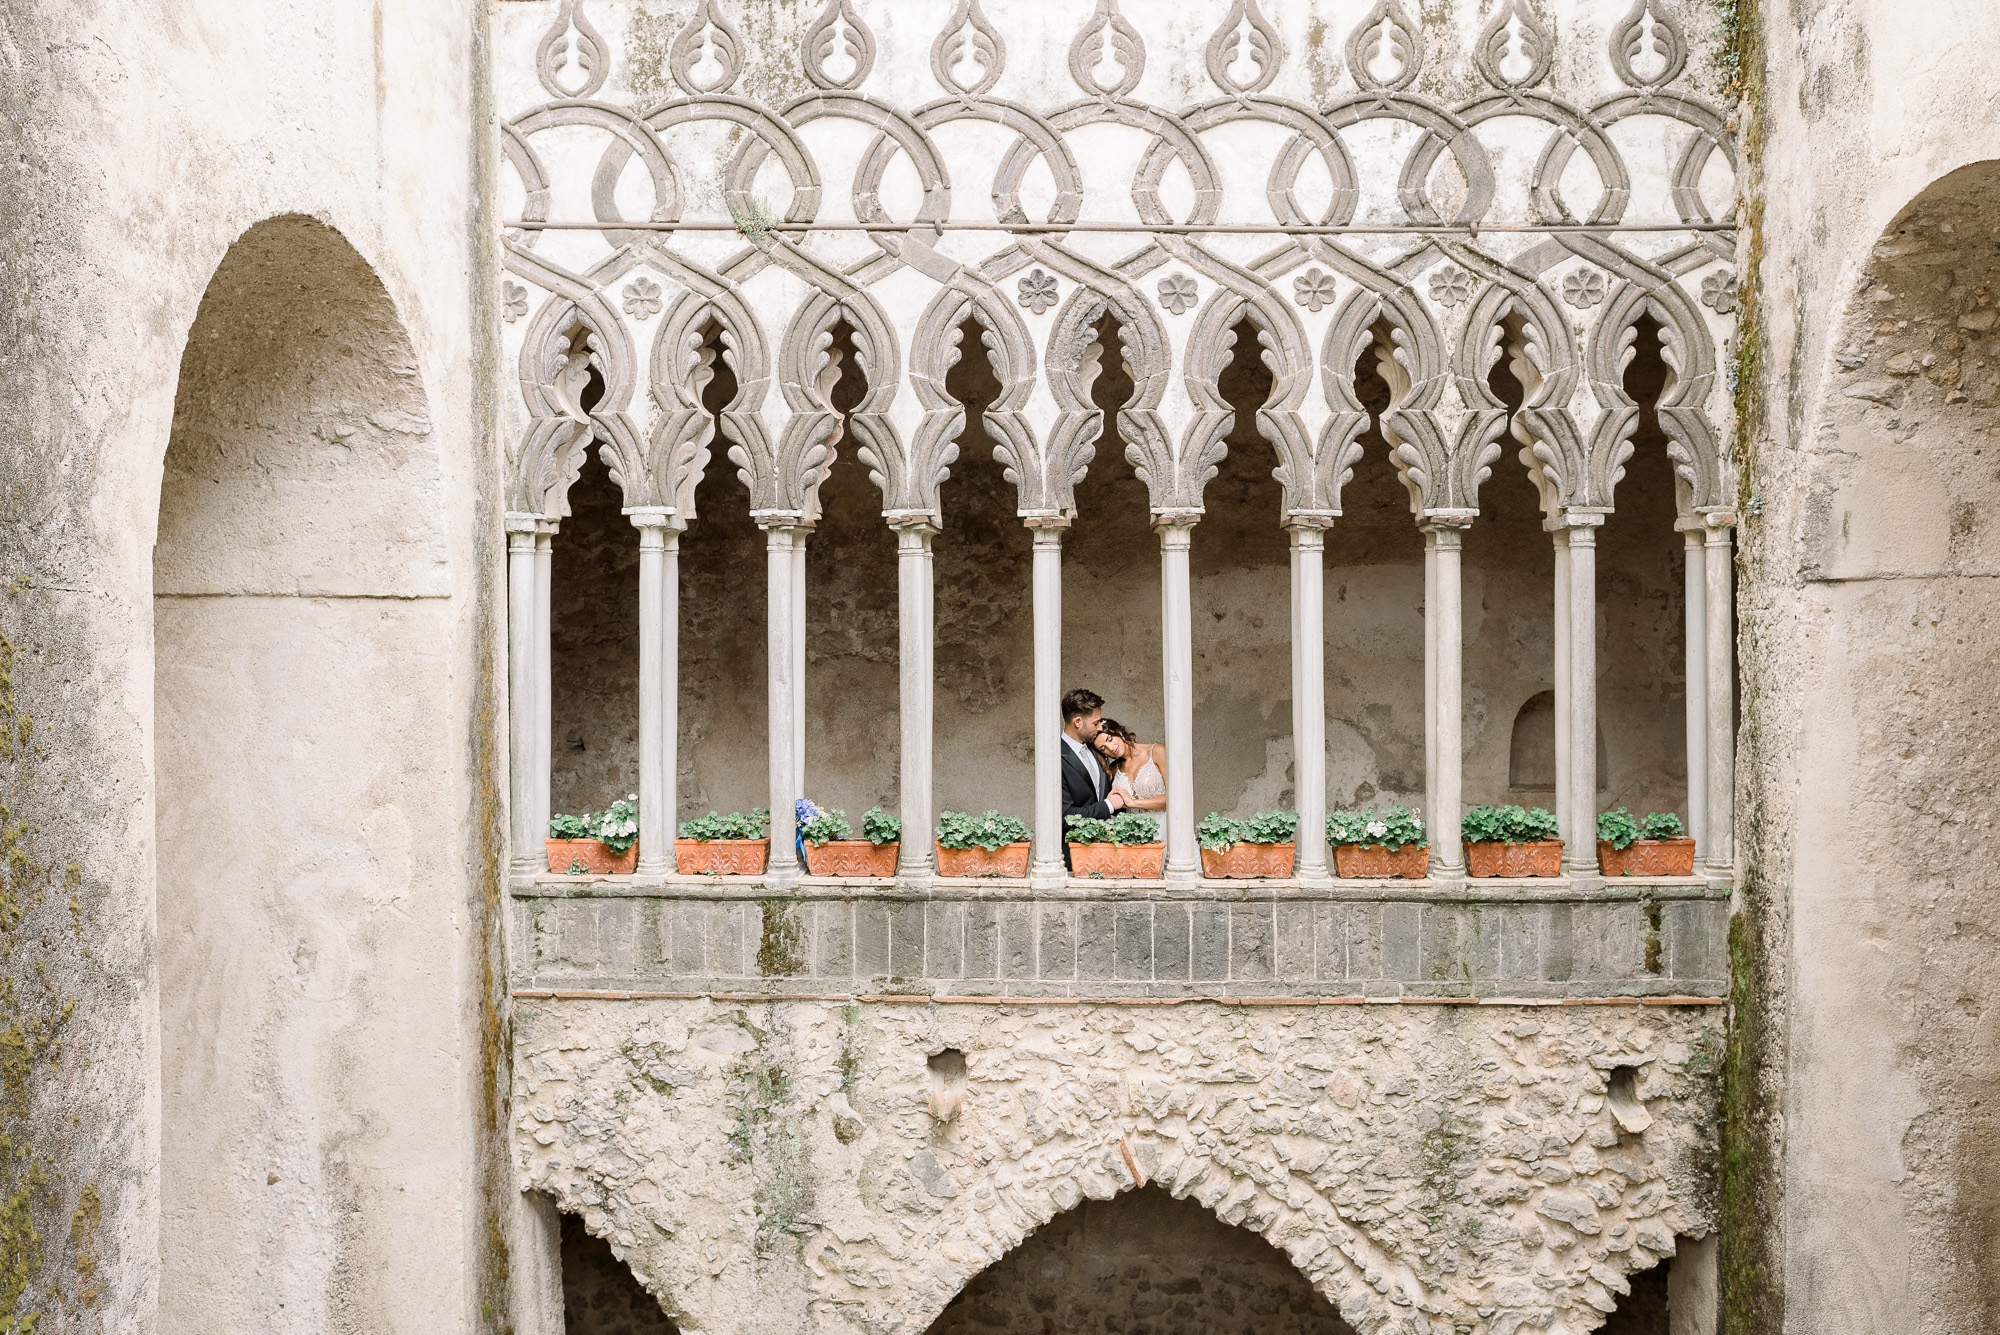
<point x="1149" y="783"/>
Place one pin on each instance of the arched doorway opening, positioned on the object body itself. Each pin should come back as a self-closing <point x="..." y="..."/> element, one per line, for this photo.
<point x="307" y="935"/>
<point x="1141" y="1263"/>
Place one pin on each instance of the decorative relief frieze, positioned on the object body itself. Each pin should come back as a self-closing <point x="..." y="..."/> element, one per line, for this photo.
<point x="1566" y="174"/>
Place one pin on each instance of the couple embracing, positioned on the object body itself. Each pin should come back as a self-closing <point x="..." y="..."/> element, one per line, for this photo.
<point x="1105" y="768"/>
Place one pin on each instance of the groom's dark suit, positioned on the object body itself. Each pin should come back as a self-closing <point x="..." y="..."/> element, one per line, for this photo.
<point x="1082" y="786"/>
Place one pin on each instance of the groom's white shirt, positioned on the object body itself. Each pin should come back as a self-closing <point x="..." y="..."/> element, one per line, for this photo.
<point x="1095" y="771"/>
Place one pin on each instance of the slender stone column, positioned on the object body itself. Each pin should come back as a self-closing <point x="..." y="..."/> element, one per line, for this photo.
<point x="522" y="694"/>
<point x="545" y="533"/>
<point x="917" y="630"/>
<point x="1177" y="661"/>
<point x="659" y="686"/>
<point x="1431" y="808"/>
<point x="1047" y="870"/>
<point x="1580" y="850"/>
<point x="1721" y="645"/>
<point x="781" y="662"/>
<point x="799" y="658"/>
<point x="1309" y="698"/>
<point x="1564" y="816"/>
<point x="1695" y="585"/>
<point x="1445" y="730"/>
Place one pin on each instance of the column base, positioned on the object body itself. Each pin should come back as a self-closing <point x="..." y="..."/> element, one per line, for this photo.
<point x="1048" y="876"/>
<point x="1320" y="880"/>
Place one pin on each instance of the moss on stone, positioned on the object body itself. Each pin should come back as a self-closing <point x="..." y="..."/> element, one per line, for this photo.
<point x="781" y="949"/>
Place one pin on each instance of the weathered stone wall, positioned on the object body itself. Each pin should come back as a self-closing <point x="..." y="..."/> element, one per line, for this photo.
<point x="1137" y="1261"/>
<point x="143" y="142"/>
<point x="1869" y="1196"/>
<point x="783" y="1166"/>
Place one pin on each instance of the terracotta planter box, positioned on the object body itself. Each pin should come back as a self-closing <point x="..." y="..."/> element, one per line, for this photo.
<point x="721" y="857"/>
<point x="1648" y="857"/>
<point x="593" y="858"/>
<point x="1363" y="862"/>
<point x="1122" y="862"/>
<point x="1006" y="860"/>
<point x="851" y="857"/>
<point x="1247" y="862"/>
<point x="1543" y="858"/>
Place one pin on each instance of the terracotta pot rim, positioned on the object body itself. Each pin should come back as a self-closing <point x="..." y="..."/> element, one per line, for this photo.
<point x="1106" y="843"/>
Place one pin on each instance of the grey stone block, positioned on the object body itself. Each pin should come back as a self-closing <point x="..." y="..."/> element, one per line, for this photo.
<point x="1329" y="942"/>
<point x="1520" y="941"/>
<point x="1558" y="942"/>
<point x="1482" y="929"/>
<point x="1252" y="952"/>
<point x="1366" y="958"/>
<point x="1056" y="941"/>
<point x="1446" y="947"/>
<point x="1016" y="926"/>
<point x="1401" y="959"/>
<point x="1294" y="953"/>
<point x="1133" y="953"/>
<point x="833" y="940"/>
<point x="982" y="941"/>
<point x="1211" y="942"/>
<point x="617" y="926"/>
<point x="906" y="940"/>
<point x="685" y="923"/>
<point x="944" y="947"/>
<point x="871" y="940"/>
<point x="1096" y="938"/>
<point x="1695" y="936"/>
<point x="726" y="941"/>
<point x="1172" y="943"/>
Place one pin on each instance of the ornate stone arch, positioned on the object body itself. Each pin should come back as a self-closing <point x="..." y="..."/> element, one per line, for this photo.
<point x="805" y="449"/>
<point x="1284" y="350"/>
<point x="1689" y="353"/>
<point x="1552" y="447"/>
<point x="1415" y="368"/>
<point x="572" y="334"/>
<point x="682" y="367"/>
<point x="936" y="348"/>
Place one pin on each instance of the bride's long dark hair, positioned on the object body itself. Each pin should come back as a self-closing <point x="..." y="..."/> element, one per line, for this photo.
<point x="1123" y="734"/>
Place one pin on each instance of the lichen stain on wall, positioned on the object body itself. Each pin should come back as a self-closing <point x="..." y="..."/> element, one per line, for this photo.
<point x="35" y="1197"/>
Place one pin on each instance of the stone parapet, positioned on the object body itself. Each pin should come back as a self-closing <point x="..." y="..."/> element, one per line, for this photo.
<point x="1532" y="940"/>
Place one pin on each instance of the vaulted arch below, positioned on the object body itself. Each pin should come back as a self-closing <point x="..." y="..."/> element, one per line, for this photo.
<point x="1140" y="1263"/>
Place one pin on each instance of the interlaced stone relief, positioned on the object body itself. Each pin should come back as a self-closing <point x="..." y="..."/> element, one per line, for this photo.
<point x="1344" y="168"/>
<point x="794" y="1166"/>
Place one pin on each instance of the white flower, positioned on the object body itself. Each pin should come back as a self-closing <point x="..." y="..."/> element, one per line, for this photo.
<point x="1377" y="828"/>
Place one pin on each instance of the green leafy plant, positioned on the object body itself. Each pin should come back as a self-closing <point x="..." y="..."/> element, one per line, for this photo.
<point x="1508" y="825"/>
<point x="1662" y="825"/>
<point x="990" y="830"/>
<point x="752" y="218"/>
<point x="736" y="825"/>
<point x="1394" y="828"/>
<point x="1217" y="832"/>
<point x="1617" y="828"/>
<point x="1620" y="828"/>
<point x="616" y="827"/>
<point x="1271" y="827"/>
<point x="1127" y="827"/>
<point x="878" y="827"/>
<point x="826" y="825"/>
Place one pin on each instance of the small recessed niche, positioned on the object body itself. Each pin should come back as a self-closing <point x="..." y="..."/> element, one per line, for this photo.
<point x="948" y="1067"/>
<point x="1622" y="1095"/>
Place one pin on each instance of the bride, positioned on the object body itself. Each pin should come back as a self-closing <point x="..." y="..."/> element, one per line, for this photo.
<point x="1138" y="769"/>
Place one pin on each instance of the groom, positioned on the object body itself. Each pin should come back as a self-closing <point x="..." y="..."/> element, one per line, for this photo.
<point x="1086" y="788"/>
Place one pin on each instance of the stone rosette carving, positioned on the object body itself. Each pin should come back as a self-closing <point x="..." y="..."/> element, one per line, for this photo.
<point x="778" y="1166"/>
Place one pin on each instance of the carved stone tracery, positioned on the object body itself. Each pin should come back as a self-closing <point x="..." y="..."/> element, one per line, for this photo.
<point x="776" y="289"/>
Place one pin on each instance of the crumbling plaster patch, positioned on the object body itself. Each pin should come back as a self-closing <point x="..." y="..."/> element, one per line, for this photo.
<point x="776" y="1165"/>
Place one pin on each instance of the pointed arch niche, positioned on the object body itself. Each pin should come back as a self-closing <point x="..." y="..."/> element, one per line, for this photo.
<point x="1142" y="1260"/>
<point x="308" y="927"/>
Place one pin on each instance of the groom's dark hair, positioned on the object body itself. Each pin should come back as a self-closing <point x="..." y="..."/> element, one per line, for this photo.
<point x="1077" y="703"/>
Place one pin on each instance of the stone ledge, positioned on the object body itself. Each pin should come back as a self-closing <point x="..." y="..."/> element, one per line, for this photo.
<point x="692" y="939"/>
<point x="1485" y="890"/>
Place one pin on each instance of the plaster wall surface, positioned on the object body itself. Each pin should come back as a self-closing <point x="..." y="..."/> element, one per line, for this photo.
<point x="144" y="141"/>
<point x="1868" y="633"/>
